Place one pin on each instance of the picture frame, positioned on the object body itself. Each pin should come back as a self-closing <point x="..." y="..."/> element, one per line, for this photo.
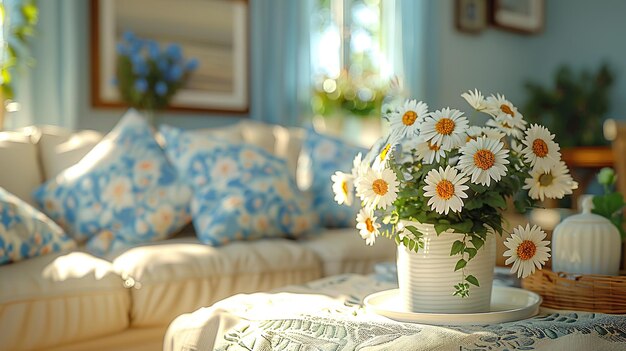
<point x="215" y="32"/>
<point x="471" y="15"/>
<point x="521" y="16"/>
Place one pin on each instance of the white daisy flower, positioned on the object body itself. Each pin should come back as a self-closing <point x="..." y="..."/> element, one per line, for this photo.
<point x="552" y="184"/>
<point x="405" y="121"/>
<point x="445" y="127"/>
<point x="446" y="189"/>
<point x="475" y="132"/>
<point x="492" y="133"/>
<point x="475" y="99"/>
<point x="501" y="108"/>
<point x="541" y="150"/>
<point x="343" y="187"/>
<point x="367" y="225"/>
<point x="484" y="159"/>
<point x="514" y="126"/>
<point x="378" y="188"/>
<point x="359" y="166"/>
<point x="380" y="161"/>
<point x="526" y="250"/>
<point x="429" y="152"/>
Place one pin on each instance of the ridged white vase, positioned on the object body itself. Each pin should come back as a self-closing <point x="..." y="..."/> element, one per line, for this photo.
<point x="427" y="278"/>
<point x="586" y="243"/>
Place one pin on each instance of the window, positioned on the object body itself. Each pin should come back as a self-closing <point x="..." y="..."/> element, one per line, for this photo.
<point x="351" y="58"/>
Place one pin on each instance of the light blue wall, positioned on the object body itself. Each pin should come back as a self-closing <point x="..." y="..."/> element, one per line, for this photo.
<point x="580" y="33"/>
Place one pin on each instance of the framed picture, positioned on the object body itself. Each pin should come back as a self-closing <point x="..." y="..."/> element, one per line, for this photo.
<point x="471" y="15"/>
<point x="523" y="16"/>
<point x="215" y="32"/>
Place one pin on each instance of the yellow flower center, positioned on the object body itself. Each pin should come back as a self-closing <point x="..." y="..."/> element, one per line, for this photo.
<point x="409" y="118"/>
<point x="384" y="152"/>
<point x="526" y="250"/>
<point x="344" y="187"/>
<point x="380" y="187"/>
<point x="433" y="147"/>
<point x="540" y="148"/>
<point x="484" y="159"/>
<point x="445" y="189"/>
<point x="369" y="225"/>
<point x="445" y="126"/>
<point x="506" y="109"/>
<point x="546" y="179"/>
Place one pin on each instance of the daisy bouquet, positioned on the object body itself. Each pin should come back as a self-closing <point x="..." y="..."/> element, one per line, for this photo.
<point x="434" y="167"/>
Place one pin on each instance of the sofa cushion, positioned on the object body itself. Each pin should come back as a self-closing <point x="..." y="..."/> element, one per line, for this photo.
<point x="241" y="192"/>
<point x="20" y="154"/>
<point x="60" y="148"/>
<point x="259" y="134"/>
<point x="192" y="275"/>
<point x="60" y="298"/>
<point x="344" y="251"/>
<point x="123" y="192"/>
<point x="289" y="142"/>
<point x="25" y="232"/>
<point x="325" y="155"/>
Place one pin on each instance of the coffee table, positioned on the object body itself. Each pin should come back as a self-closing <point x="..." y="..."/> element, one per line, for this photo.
<point x="327" y="314"/>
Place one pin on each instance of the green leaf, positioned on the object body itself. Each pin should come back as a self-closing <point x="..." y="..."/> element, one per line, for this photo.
<point x="471" y="252"/>
<point x="463" y="227"/>
<point x="440" y="228"/>
<point x="495" y="200"/>
<point x="470" y="278"/>
<point x="477" y="242"/>
<point x="414" y="231"/>
<point x="460" y="264"/>
<point x="457" y="247"/>
<point x="473" y="204"/>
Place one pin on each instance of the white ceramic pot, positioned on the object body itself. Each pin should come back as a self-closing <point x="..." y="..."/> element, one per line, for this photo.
<point x="586" y="243"/>
<point x="427" y="278"/>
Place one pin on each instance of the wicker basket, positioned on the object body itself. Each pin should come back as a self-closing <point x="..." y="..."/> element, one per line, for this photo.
<point x="596" y="293"/>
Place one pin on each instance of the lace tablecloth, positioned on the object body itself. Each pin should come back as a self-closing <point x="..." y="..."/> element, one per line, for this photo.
<point x="326" y="315"/>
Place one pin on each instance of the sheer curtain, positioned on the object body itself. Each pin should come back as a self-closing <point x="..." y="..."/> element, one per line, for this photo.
<point x="411" y="28"/>
<point x="48" y="91"/>
<point x="280" y="79"/>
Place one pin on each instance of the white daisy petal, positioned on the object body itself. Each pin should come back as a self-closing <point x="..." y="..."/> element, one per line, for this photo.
<point x="343" y="187"/>
<point x="541" y="150"/>
<point x="475" y="99"/>
<point x="406" y="120"/>
<point x="445" y="190"/>
<point x="367" y="225"/>
<point x="484" y="159"/>
<point x="378" y="188"/>
<point x="554" y="183"/>
<point x="446" y="128"/>
<point x="526" y="251"/>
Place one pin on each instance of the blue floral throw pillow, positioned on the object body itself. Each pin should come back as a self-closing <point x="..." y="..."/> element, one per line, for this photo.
<point x="26" y="232"/>
<point x="327" y="155"/>
<point x="241" y="192"/>
<point x="122" y="193"/>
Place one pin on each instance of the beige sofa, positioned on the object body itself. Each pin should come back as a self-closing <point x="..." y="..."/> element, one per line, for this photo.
<point x="75" y="301"/>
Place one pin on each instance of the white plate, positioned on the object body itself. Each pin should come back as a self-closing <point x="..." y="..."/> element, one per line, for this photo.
<point x="507" y="304"/>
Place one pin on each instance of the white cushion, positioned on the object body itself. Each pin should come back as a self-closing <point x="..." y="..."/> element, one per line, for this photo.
<point x="20" y="173"/>
<point x="231" y="132"/>
<point x="289" y="145"/>
<point x="343" y="251"/>
<point x="191" y="275"/>
<point x="259" y="134"/>
<point x="60" y="298"/>
<point x="59" y="148"/>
